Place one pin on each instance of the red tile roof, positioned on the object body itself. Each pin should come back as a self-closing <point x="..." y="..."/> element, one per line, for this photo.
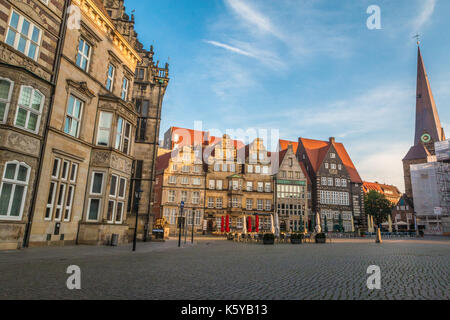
<point x="316" y="151"/>
<point x="370" y="186"/>
<point x="391" y="192"/>
<point x="188" y="137"/>
<point x="285" y="143"/>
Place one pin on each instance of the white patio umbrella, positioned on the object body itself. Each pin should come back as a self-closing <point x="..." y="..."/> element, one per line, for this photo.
<point x="277" y="225"/>
<point x="318" y="223"/>
<point x="273" y="229"/>
<point x="244" y="230"/>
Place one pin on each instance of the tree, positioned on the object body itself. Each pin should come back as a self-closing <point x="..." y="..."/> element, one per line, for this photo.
<point x="341" y="225"/>
<point x="377" y="206"/>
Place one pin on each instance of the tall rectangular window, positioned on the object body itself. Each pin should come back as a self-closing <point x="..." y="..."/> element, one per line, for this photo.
<point x="114" y="213"/>
<point x="110" y="78"/>
<point x="104" y="128"/>
<point x="28" y="114"/>
<point x="195" y="197"/>
<point x="84" y="55"/>
<point x="172" y="195"/>
<point x="23" y="36"/>
<point x="13" y="190"/>
<point x="6" y="88"/>
<point x="96" y="189"/>
<point x="260" y="204"/>
<point x="123" y="135"/>
<point x="62" y="190"/>
<point x="125" y="85"/>
<point x="73" y="116"/>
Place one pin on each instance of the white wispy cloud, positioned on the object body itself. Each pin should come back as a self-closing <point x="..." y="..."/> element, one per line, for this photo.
<point x="230" y="48"/>
<point x="426" y="12"/>
<point x="254" y="18"/>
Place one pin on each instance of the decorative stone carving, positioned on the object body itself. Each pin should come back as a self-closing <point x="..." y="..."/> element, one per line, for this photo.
<point x="101" y="158"/>
<point x="22" y="143"/>
<point x="18" y="59"/>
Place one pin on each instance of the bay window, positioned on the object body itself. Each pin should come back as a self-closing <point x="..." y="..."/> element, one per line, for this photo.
<point x="104" y="128"/>
<point x="123" y="135"/>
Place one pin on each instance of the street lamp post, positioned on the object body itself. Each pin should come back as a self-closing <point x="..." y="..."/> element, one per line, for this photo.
<point x="138" y="197"/>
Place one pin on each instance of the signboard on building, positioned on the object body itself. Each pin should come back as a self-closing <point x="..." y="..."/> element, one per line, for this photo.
<point x="292" y="182"/>
<point x="438" y="211"/>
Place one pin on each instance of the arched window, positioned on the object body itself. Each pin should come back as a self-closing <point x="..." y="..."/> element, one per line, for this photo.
<point x="13" y="190"/>
<point x="29" y="109"/>
<point x="6" y="88"/>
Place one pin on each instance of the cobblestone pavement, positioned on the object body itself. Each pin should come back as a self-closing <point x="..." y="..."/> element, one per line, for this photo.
<point x="410" y="269"/>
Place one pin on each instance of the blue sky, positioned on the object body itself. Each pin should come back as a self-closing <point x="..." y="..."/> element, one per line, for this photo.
<point x="309" y="68"/>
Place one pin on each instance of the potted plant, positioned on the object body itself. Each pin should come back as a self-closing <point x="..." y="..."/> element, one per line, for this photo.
<point x="297" y="238"/>
<point x="321" y="238"/>
<point x="269" y="238"/>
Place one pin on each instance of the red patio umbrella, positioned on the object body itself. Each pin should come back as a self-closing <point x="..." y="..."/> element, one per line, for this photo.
<point x="249" y="224"/>
<point x="257" y="224"/>
<point x="228" y="223"/>
<point x="222" y="227"/>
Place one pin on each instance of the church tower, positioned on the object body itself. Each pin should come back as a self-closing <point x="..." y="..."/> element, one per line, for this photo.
<point x="428" y="126"/>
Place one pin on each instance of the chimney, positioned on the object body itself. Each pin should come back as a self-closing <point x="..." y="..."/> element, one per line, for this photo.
<point x="332" y="140"/>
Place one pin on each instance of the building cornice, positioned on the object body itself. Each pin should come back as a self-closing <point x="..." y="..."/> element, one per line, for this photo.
<point x="97" y="16"/>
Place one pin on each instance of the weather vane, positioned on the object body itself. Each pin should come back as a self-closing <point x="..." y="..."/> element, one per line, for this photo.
<point x="417" y="37"/>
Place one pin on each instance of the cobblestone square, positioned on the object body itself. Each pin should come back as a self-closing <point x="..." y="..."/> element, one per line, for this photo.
<point x="225" y="270"/>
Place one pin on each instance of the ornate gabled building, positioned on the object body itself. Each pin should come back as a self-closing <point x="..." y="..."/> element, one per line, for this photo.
<point x="258" y="187"/>
<point x="291" y="191"/>
<point x="150" y="84"/>
<point x="337" y="191"/>
<point x="224" y="185"/>
<point x="428" y="128"/>
<point x="31" y="34"/>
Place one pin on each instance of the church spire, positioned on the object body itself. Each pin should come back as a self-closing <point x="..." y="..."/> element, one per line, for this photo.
<point x="428" y="125"/>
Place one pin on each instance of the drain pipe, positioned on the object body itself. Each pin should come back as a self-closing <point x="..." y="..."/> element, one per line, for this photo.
<point x="54" y="79"/>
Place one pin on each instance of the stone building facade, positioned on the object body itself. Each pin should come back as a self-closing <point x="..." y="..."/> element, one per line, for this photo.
<point x="224" y="185"/>
<point x="180" y="178"/>
<point x="30" y="34"/>
<point x="88" y="156"/>
<point x="150" y="84"/>
<point x="80" y="106"/>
